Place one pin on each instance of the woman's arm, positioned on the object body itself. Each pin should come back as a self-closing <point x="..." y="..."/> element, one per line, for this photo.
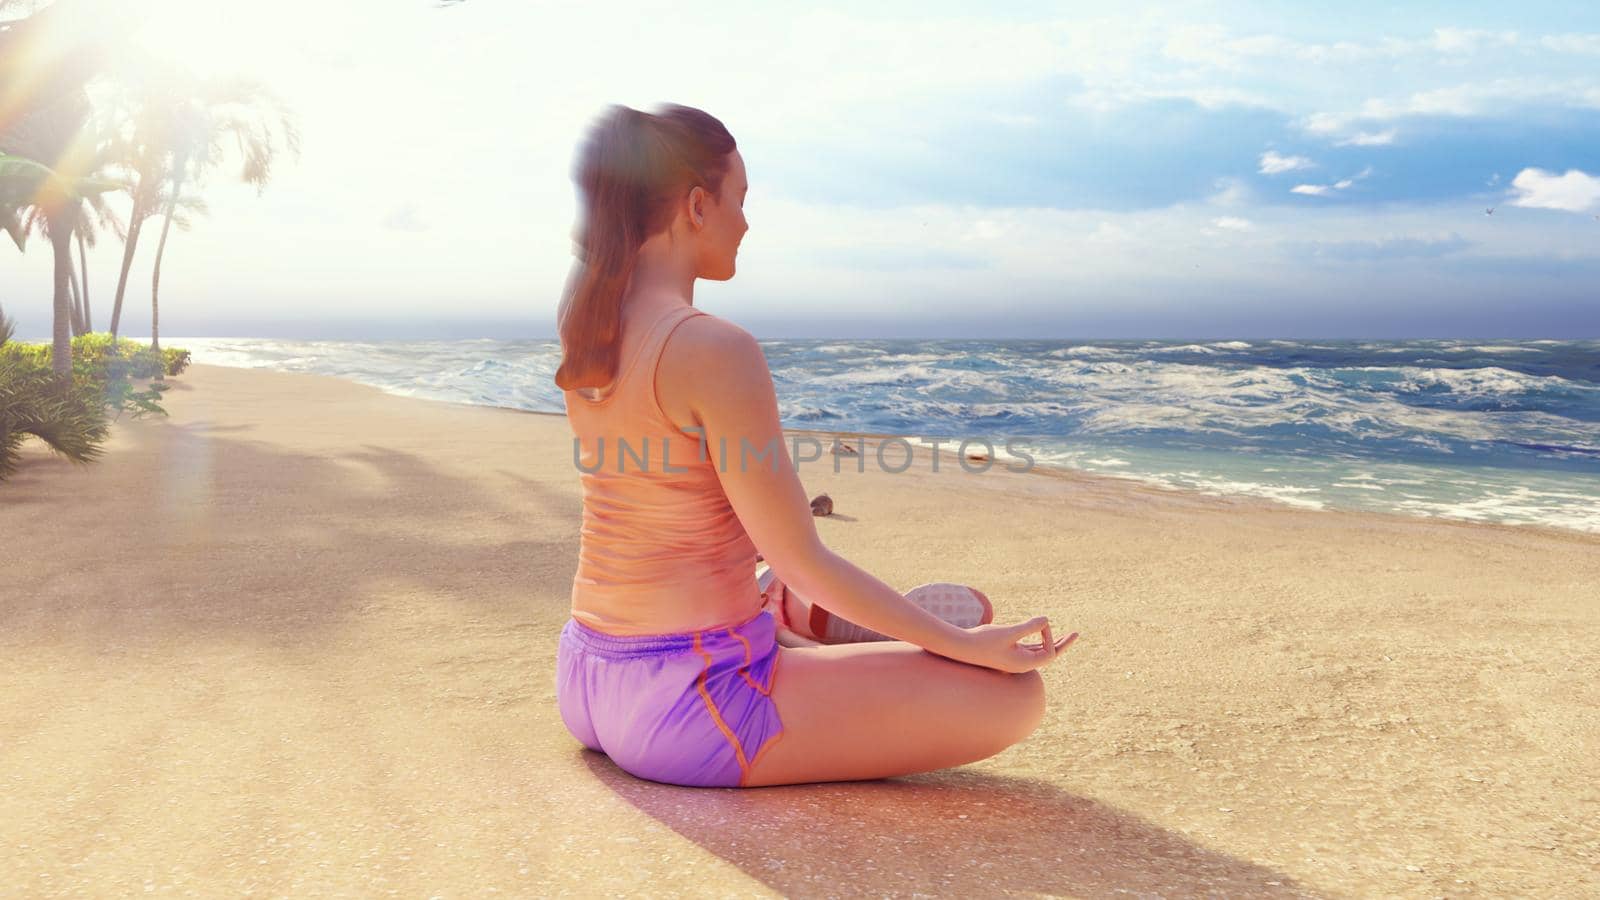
<point x="720" y="371"/>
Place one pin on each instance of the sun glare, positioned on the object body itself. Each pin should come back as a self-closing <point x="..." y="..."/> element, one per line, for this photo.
<point x="228" y="37"/>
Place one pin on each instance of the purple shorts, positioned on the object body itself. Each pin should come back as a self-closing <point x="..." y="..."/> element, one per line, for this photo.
<point x="692" y="709"/>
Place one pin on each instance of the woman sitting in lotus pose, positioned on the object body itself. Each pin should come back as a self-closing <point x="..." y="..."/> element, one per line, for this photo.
<point x="675" y="662"/>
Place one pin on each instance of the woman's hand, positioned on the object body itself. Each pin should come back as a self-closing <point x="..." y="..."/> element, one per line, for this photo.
<point x="1000" y="646"/>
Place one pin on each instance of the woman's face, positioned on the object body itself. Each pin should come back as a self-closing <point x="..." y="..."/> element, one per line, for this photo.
<point x="724" y="223"/>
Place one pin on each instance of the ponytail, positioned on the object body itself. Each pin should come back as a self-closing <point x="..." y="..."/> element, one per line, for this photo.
<point x="632" y="168"/>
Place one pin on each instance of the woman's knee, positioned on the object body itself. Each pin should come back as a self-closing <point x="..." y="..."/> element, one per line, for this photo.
<point x="1030" y="702"/>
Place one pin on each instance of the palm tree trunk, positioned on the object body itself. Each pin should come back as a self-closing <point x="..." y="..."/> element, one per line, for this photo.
<point x="77" y="298"/>
<point x="61" y="245"/>
<point x="83" y="276"/>
<point x="135" y="222"/>
<point x="161" y="249"/>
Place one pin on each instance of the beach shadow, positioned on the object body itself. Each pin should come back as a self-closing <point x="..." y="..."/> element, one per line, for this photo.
<point x="297" y="541"/>
<point x="214" y="428"/>
<point x="950" y="833"/>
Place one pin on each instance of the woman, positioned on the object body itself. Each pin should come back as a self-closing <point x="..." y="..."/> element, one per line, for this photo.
<point x="670" y="661"/>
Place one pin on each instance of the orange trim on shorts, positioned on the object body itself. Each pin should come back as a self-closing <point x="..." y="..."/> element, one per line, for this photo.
<point x="744" y="670"/>
<point x="774" y="738"/>
<point x="711" y="707"/>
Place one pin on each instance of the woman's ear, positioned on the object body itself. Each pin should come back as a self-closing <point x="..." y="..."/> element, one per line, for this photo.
<point x="697" y="206"/>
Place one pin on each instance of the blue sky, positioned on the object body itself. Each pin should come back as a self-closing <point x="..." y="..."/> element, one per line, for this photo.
<point x="1196" y="170"/>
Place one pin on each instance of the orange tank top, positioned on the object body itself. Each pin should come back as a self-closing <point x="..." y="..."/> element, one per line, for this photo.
<point x="660" y="548"/>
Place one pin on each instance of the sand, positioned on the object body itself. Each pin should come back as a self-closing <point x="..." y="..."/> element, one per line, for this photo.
<point x="299" y="639"/>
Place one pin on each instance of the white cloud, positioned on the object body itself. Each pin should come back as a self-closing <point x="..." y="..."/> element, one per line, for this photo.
<point x="1574" y="191"/>
<point x="1495" y="96"/>
<point x="405" y="217"/>
<point x="1324" y="123"/>
<point x="1470" y="40"/>
<point x="1230" y="192"/>
<point x="1233" y="223"/>
<point x="1368" y="139"/>
<point x="1573" y="43"/>
<point x="1214" y="46"/>
<point x="1323" y="190"/>
<point x="1108" y="233"/>
<point x="1015" y="118"/>
<point x="1274" y="164"/>
<point x="984" y="230"/>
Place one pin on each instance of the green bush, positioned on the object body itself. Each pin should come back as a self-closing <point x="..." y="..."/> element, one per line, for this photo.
<point x="68" y="416"/>
<point x="176" y="360"/>
<point x="71" y="416"/>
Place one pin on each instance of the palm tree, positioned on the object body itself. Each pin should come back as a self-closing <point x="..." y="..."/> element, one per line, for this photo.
<point x="173" y="129"/>
<point x="52" y="205"/>
<point x="85" y="236"/>
<point x="45" y="61"/>
<point x="35" y="198"/>
<point x="220" y="113"/>
<point x="137" y="146"/>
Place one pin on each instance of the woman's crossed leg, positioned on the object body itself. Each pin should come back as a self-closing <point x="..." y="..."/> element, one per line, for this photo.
<point x="860" y="711"/>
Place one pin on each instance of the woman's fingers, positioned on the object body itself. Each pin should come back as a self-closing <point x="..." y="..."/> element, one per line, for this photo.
<point x="1040" y="655"/>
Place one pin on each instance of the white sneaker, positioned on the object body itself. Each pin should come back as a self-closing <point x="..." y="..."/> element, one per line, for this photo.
<point x="958" y="604"/>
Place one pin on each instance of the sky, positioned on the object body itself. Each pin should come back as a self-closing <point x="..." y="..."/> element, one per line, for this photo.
<point x="1213" y="170"/>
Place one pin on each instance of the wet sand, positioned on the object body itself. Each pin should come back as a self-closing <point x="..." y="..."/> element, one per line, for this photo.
<point x="299" y="638"/>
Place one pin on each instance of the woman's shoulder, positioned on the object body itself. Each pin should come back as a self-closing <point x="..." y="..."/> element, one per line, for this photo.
<point x="707" y="349"/>
<point x="709" y="332"/>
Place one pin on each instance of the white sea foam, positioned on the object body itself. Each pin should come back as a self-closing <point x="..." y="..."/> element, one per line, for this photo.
<point x="1118" y="397"/>
<point x="1222" y="486"/>
<point x="1516" y="505"/>
<point x="1484" y="381"/>
<point x="1085" y="350"/>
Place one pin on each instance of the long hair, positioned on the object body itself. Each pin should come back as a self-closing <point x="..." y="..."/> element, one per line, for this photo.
<point x="632" y="170"/>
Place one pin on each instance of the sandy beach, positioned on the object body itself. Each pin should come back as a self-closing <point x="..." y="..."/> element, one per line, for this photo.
<point x="299" y="639"/>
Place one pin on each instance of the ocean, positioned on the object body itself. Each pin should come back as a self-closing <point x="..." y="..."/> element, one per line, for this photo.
<point x="1501" y="431"/>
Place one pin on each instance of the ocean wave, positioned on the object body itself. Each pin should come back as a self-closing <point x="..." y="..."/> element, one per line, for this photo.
<point x="1190" y="348"/>
<point x="1485" y="381"/>
<point x="1120" y="398"/>
<point x="1085" y="350"/>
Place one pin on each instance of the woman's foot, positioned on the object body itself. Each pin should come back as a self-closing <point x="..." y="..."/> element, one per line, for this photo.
<point x="957" y="604"/>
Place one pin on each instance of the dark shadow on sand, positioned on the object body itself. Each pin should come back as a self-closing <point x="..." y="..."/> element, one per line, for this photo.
<point x="227" y="517"/>
<point x="951" y="833"/>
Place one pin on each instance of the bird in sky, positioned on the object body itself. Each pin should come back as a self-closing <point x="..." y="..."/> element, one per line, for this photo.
<point x="1489" y="211"/>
